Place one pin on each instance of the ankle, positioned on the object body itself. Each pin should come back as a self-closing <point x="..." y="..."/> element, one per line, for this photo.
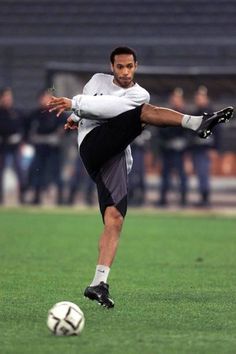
<point x="101" y="274"/>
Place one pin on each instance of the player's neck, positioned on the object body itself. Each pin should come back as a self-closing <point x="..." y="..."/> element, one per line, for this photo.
<point x="115" y="82"/>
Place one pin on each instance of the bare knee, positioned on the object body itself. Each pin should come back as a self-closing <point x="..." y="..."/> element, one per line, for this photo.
<point x="113" y="218"/>
<point x="160" y="116"/>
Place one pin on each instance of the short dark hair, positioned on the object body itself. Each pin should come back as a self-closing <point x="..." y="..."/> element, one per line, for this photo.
<point x="41" y="92"/>
<point x="122" y="50"/>
<point x="4" y="89"/>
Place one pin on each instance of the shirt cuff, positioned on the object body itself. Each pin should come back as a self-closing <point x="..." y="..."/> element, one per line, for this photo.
<point x="75" y="118"/>
<point x="76" y="102"/>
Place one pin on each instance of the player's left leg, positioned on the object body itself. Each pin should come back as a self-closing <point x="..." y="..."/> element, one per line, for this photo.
<point x="105" y="106"/>
<point x="209" y="121"/>
<point x="203" y="125"/>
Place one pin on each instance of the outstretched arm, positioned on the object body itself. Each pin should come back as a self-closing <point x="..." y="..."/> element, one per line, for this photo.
<point x="92" y="107"/>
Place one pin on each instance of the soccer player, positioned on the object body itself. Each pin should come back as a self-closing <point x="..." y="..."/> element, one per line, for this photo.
<point x="110" y="114"/>
<point x="110" y="174"/>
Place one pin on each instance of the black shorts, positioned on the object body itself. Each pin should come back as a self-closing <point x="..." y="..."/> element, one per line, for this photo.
<point x="103" y="154"/>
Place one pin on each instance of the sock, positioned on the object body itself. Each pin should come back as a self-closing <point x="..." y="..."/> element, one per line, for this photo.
<point x="101" y="274"/>
<point x="191" y="122"/>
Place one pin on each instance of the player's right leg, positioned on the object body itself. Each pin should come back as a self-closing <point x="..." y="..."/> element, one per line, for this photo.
<point x="108" y="243"/>
<point x="100" y="293"/>
<point x="111" y="182"/>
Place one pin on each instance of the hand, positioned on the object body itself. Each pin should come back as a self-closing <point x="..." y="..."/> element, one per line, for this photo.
<point x="59" y="104"/>
<point x="70" y="124"/>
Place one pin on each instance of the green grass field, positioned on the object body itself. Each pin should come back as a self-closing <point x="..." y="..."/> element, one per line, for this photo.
<point x="173" y="283"/>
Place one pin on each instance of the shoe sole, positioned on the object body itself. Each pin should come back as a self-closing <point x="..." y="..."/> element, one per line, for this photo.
<point x="223" y="117"/>
<point x="108" y="306"/>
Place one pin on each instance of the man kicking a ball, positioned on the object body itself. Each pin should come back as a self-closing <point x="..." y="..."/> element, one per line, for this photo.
<point x="110" y="114"/>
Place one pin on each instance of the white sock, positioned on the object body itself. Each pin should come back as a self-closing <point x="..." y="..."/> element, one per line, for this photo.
<point x="101" y="274"/>
<point x="191" y="122"/>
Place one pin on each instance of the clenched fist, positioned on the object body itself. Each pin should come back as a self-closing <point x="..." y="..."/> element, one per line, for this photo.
<point x="70" y="124"/>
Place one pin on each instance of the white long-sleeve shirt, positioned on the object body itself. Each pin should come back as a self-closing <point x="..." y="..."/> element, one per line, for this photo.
<point x="103" y="99"/>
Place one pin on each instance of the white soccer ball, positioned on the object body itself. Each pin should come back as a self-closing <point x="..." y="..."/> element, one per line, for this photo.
<point x="65" y="319"/>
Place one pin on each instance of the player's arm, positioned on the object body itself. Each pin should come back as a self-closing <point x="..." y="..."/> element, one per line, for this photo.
<point x="71" y="123"/>
<point x="101" y="107"/>
<point x="107" y="106"/>
<point x="73" y="119"/>
<point x="92" y="107"/>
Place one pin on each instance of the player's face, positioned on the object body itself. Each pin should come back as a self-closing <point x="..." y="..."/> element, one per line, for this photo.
<point x="123" y="69"/>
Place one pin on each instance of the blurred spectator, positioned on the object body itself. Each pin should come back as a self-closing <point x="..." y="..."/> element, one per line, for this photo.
<point x="11" y="138"/>
<point x="200" y="148"/>
<point x="45" y="132"/>
<point x="137" y="174"/>
<point x="172" y="147"/>
<point x="79" y="181"/>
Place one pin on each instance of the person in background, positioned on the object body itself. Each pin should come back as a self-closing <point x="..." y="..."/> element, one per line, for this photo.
<point x="200" y="148"/>
<point x="79" y="181"/>
<point x="44" y="132"/>
<point x="172" y="146"/>
<point x="136" y="195"/>
<point x="12" y="128"/>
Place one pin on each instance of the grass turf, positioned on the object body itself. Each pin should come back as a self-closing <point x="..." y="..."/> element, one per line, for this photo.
<point x="173" y="282"/>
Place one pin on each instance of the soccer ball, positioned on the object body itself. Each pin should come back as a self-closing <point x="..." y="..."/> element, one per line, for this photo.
<point x="65" y="319"/>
